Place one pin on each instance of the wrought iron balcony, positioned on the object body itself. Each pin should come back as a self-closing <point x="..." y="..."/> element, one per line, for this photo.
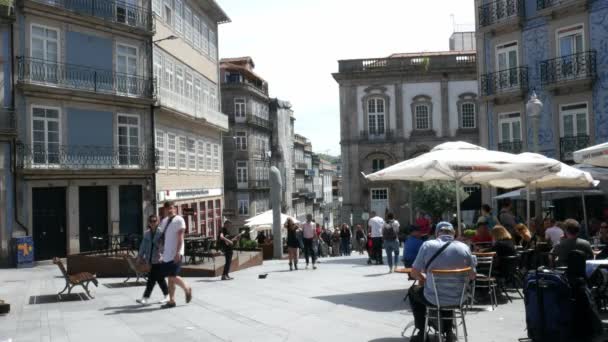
<point x="554" y="4"/>
<point x="259" y="122"/>
<point x="238" y="80"/>
<point x="376" y="135"/>
<point x="119" y="12"/>
<point x="515" y="146"/>
<point x="84" y="157"/>
<point x="515" y="79"/>
<point x="409" y="63"/>
<point x="7" y="121"/>
<point x="573" y="67"/>
<point x="499" y="11"/>
<point x="567" y="145"/>
<point x="61" y="75"/>
<point x="259" y="184"/>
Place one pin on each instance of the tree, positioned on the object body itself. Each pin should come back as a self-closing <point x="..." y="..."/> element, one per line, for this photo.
<point x="437" y="198"/>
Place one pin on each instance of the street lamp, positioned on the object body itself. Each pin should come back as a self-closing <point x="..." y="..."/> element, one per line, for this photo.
<point x="171" y="37"/>
<point x="534" y="108"/>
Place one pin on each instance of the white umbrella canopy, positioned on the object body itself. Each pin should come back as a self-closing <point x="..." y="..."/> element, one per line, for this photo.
<point x="595" y="155"/>
<point x="463" y="162"/>
<point x="265" y="219"/>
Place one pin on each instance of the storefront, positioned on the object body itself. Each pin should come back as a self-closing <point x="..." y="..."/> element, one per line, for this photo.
<point x="201" y="209"/>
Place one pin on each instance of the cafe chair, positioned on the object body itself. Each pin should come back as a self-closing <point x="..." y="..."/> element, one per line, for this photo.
<point x="484" y="278"/>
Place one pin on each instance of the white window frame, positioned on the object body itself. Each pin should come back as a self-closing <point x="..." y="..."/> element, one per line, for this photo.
<point x="57" y="41"/>
<point x="462" y="113"/>
<point x="504" y="118"/>
<point x="216" y="158"/>
<point x="46" y="142"/>
<point x="182" y="152"/>
<point x="191" y="161"/>
<point x="188" y="23"/>
<point x="504" y="48"/>
<point x="179" y="80"/>
<point x="196" y="29"/>
<point x="242" y="173"/>
<point x="563" y="113"/>
<point x="374" y="115"/>
<point x="178" y="16"/>
<point x="188" y="85"/>
<point x="168" y="12"/>
<point x="156" y="7"/>
<point x="200" y="155"/>
<point x="129" y="147"/>
<point x="130" y="79"/>
<point x="161" y="146"/>
<point x="568" y="31"/>
<point x="428" y="117"/>
<point x="158" y="67"/>
<point x="240" y="140"/>
<point x="204" y="37"/>
<point x="169" y="75"/>
<point x="243" y="204"/>
<point x="198" y="95"/>
<point x="212" y="45"/>
<point x="208" y="157"/>
<point x="240" y="108"/>
<point x="378" y="161"/>
<point x="172" y="151"/>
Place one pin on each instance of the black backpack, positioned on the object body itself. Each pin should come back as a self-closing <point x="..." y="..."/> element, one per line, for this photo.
<point x="388" y="233"/>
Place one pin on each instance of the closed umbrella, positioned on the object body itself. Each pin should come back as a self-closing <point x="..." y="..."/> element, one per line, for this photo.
<point x="595" y="155"/>
<point x="466" y="163"/>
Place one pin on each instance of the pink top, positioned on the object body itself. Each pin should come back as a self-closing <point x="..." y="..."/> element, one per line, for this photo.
<point x="308" y="230"/>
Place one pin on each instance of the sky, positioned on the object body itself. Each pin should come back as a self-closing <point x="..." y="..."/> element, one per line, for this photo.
<point x="296" y="45"/>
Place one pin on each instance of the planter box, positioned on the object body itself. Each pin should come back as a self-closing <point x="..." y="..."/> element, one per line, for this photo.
<point x="268" y="251"/>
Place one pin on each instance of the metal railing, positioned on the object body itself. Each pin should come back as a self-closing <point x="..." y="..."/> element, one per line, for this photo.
<point x="515" y="146"/>
<point x="409" y="63"/>
<point x="568" y="68"/>
<point x="81" y="157"/>
<point x="119" y="12"/>
<point x="259" y="184"/>
<point x="301" y="166"/>
<point x="188" y="105"/>
<point x="257" y="121"/>
<point x="504" y="81"/>
<point x="239" y="79"/>
<point x="498" y="11"/>
<point x="567" y="145"/>
<point x="7" y="121"/>
<point x="544" y="4"/>
<point x="299" y="139"/>
<point x="376" y="135"/>
<point x="39" y="71"/>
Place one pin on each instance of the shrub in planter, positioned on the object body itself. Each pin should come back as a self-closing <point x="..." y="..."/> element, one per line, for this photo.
<point x="249" y="244"/>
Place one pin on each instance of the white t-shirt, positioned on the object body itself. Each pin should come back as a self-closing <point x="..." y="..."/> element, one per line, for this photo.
<point x="376" y="224"/>
<point x="176" y="225"/>
<point x="554" y="234"/>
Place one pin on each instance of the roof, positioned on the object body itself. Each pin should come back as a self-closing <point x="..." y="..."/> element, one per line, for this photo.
<point x="214" y="10"/>
<point x="241" y="64"/>
<point x="431" y="54"/>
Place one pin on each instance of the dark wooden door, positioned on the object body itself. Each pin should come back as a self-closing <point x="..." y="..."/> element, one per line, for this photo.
<point x="49" y="223"/>
<point x="130" y="209"/>
<point x="93" y="210"/>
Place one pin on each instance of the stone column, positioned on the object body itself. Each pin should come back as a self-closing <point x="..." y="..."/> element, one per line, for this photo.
<point x="445" y="109"/>
<point x="73" y="220"/>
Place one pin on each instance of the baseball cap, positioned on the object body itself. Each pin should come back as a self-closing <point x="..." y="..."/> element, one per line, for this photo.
<point x="445" y="226"/>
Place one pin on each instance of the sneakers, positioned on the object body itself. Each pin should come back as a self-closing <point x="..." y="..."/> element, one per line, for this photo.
<point x="314" y="267"/>
<point x="143" y="301"/>
<point x="390" y="269"/>
<point x="168" y="305"/>
<point x="164" y="300"/>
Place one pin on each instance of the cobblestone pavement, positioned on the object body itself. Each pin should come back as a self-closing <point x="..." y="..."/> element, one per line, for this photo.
<point x="343" y="300"/>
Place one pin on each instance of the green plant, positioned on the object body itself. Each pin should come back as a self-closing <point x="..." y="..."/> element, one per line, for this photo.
<point x="437" y="198"/>
<point x="249" y="244"/>
<point x="469" y="233"/>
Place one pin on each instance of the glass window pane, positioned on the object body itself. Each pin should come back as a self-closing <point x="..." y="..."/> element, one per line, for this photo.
<point x="505" y="132"/>
<point x="581" y="124"/>
<point x="568" y="125"/>
<point x="517" y="131"/>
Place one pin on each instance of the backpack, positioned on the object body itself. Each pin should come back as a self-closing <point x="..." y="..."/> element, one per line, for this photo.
<point x="388" y="233"/>
<point x="549" y="306"/>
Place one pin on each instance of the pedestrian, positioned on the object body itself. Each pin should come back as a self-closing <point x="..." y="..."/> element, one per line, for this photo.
<point x="174" y="227"/>
<point x="506" y="217"/>
<point x="486" y="216"/>
<point x="326" y="241"/>
<point x="261" y="238"/>
<point x="335" y="242"/>
<point x="360" y="237"/>
<point x="345" y="240"/>
<point x="423" y="223"/>
<point x="412" y="245"/>
<point x="227" y="239"/>
<point x="293" y="245"/>
<point x="149" y="253"/>
<point x="390" y="239"/>
<point x="308" y="231"/>
<point x="554" y="233"/>
<point x="572" y="242"/>
<point x="376" y="223"/>
<point x="317" y="242"/>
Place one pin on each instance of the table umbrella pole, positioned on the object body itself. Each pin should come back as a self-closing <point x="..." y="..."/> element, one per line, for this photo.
<point x="458" y="208"/>
<point x="584" y="211"/>
<point x="528" y="204"/>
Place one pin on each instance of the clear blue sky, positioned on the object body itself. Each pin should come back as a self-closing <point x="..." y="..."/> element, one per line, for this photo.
<point x="296" y="44"/>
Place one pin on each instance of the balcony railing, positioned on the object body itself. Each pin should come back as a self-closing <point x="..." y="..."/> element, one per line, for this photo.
<point x="259" y="184"/>
<point x="577" y="66"/>
<point x="515" y="146"/>
<point x="301" y="166"/>
<point x="187" y="105"/>
<point x="237" y="79"/>
<point x="119" y="12"/>
<point x="515" y="79"/>
<point x="376" y="135"/>
<point x="7" y="121"/>
<point x="410" y="63"/>
<point x="61" y="75"/>
<point x="84" y="157"/>
<point x="499" y="11"/>
<point x="257" y="121"/>
<point x="298" y="139"/>
<point x="545" y="4"/>
<point x="567" y="145"/>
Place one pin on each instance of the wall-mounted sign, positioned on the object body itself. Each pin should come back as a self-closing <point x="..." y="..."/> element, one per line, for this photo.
<point x="177" y="195"/>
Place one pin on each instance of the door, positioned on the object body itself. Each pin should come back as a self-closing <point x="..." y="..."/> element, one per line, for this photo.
<point x="93" y="206"/>
<point x="130" y="201"/>
<point x="46" y="136"/>
<point x="379" y="201"/>
<point x="44" y="53"/>
<point x="570" y="47"/>
<point x="49" y="223"/>
<point x="507" y="63"/>
<point x="126" y="12"/>
<point x="126" y="69"/>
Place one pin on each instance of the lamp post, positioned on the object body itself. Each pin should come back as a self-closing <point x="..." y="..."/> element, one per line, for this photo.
<point x="534" y="108"/>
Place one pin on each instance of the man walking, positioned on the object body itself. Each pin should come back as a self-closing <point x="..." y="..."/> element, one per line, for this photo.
<point x="390" y="235"/>
<point x="174" y="227"/>
<point x="309" y="232"/>
<point x="376" y="223"/>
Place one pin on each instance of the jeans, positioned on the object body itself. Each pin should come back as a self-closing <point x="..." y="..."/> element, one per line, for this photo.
<point x="228" y="255"/>
<point x="419" y="303"/>
<point x="392" y="247"/>
<point x="377" y="249"/>
<point x="345" y="246"/>
<point x="308" y="251"/>
<point x="156" y="276"/>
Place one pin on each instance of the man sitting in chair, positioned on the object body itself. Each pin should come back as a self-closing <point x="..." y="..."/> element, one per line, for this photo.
<point x="442" y="253"/>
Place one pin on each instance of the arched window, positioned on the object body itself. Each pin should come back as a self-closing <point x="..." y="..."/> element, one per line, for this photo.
<point x="376" y="116"/>
<point x="468" y="115"/>
<point x="422" y="119"/>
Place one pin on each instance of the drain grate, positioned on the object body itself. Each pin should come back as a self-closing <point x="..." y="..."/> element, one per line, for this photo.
<point x="53" y="298"/>
<point x="123" y="284"/>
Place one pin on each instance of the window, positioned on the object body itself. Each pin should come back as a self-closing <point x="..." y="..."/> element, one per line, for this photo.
<point x="216" y="158"/>
<point x="168" y="79"/>
<point x="208" y="157"/>
<point x="240" y="140"/>
<point x="189" y="87"/>
<point x="212" y="46"/>
<point x="574" y="120"/>
<point x="168" y="12"/>
<point x="241" y="172"/>
<point x="239" y="108"/>
<point x="196" y="32"/>
<point x="204" y="38"/>
<point x="158" y="67"/>
<point x="156" y="7"/>
<point x="507" y="62"/>
<point x="570" y="43"/>
<point x="202" y="217"/>
<point x="197" y="94"/>
<point x="179" y="80"/>
<point x="160" y="146"/>
<point x="510" y="127"/>
<point x="200" y="153"/>
<point x="182" y="153"/>
<point x="210" y="215"/>
<point x="126" y="68"/>
<point x="45" y="135"/>
<point x="377" y="164"/>
<point x="205" y="96"/>
<point x="179" y="15"/>
<point x="213" y="97"/>
<point x="171" y="151"/>
<point x="422" y="118"/>
<point x="128" y="139"/>
<point x="243" y="205"/>
<point x="375" y="116"/>
<point x="45" y="48"/>
<point x="191" y="154"/>
<point x="188" y="23"/>
<point x="467" y="116"/>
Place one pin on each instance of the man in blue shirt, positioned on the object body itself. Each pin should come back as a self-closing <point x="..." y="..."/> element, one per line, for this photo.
<point x="412" y="245"/>
<point x="456" y="255"/>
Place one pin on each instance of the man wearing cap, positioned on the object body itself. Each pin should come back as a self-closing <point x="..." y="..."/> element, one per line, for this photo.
<point x="443" y="253"/>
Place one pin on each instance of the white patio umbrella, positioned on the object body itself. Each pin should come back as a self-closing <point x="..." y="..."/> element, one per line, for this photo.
<point x="566" y="177"/>
<point x="595" y="155"/>
<point x="466" y="163"/>
<point x="265" y="219"/>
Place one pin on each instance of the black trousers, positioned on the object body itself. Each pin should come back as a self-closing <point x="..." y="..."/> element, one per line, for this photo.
<point x="419" y="303"/>
<point x="228" y="256"/>
<point x="377" y="249"/>
<point x="156" y="276"/>
<point x="309" y="251"/>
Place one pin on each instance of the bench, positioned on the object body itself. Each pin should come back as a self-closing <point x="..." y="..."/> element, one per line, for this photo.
<point x="79" y="279"/>
<point x="140" y="270"/>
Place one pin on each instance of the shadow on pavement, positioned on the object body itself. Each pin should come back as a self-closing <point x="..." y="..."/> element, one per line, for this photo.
<point x="124" y="285"/>
<point x="378" y="301"/>
<point x="346" y="261"/>
<point x="130" y="309"/>
<point x="391" y="339"/>
<point x="376" y="275"/>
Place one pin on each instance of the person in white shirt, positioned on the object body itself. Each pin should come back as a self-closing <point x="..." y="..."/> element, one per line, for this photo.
<point x="376" y="223"/>
<point x="554" y="233"/>
<point x="174" y="227"/>
<point x="309" y="232"/>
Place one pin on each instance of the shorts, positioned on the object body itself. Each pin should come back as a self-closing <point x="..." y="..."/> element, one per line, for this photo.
<point x="171" y="268"/>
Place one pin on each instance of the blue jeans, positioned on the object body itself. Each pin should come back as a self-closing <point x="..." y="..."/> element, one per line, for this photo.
<point x="392" y="247"/>
<point x="345" y="246"/>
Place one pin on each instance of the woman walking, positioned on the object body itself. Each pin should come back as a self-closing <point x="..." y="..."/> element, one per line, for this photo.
<point x="345" y="240"/>
<point x="149" y="252"/>
<point x="293" y="244"/>
<point x="361" y="240"/>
